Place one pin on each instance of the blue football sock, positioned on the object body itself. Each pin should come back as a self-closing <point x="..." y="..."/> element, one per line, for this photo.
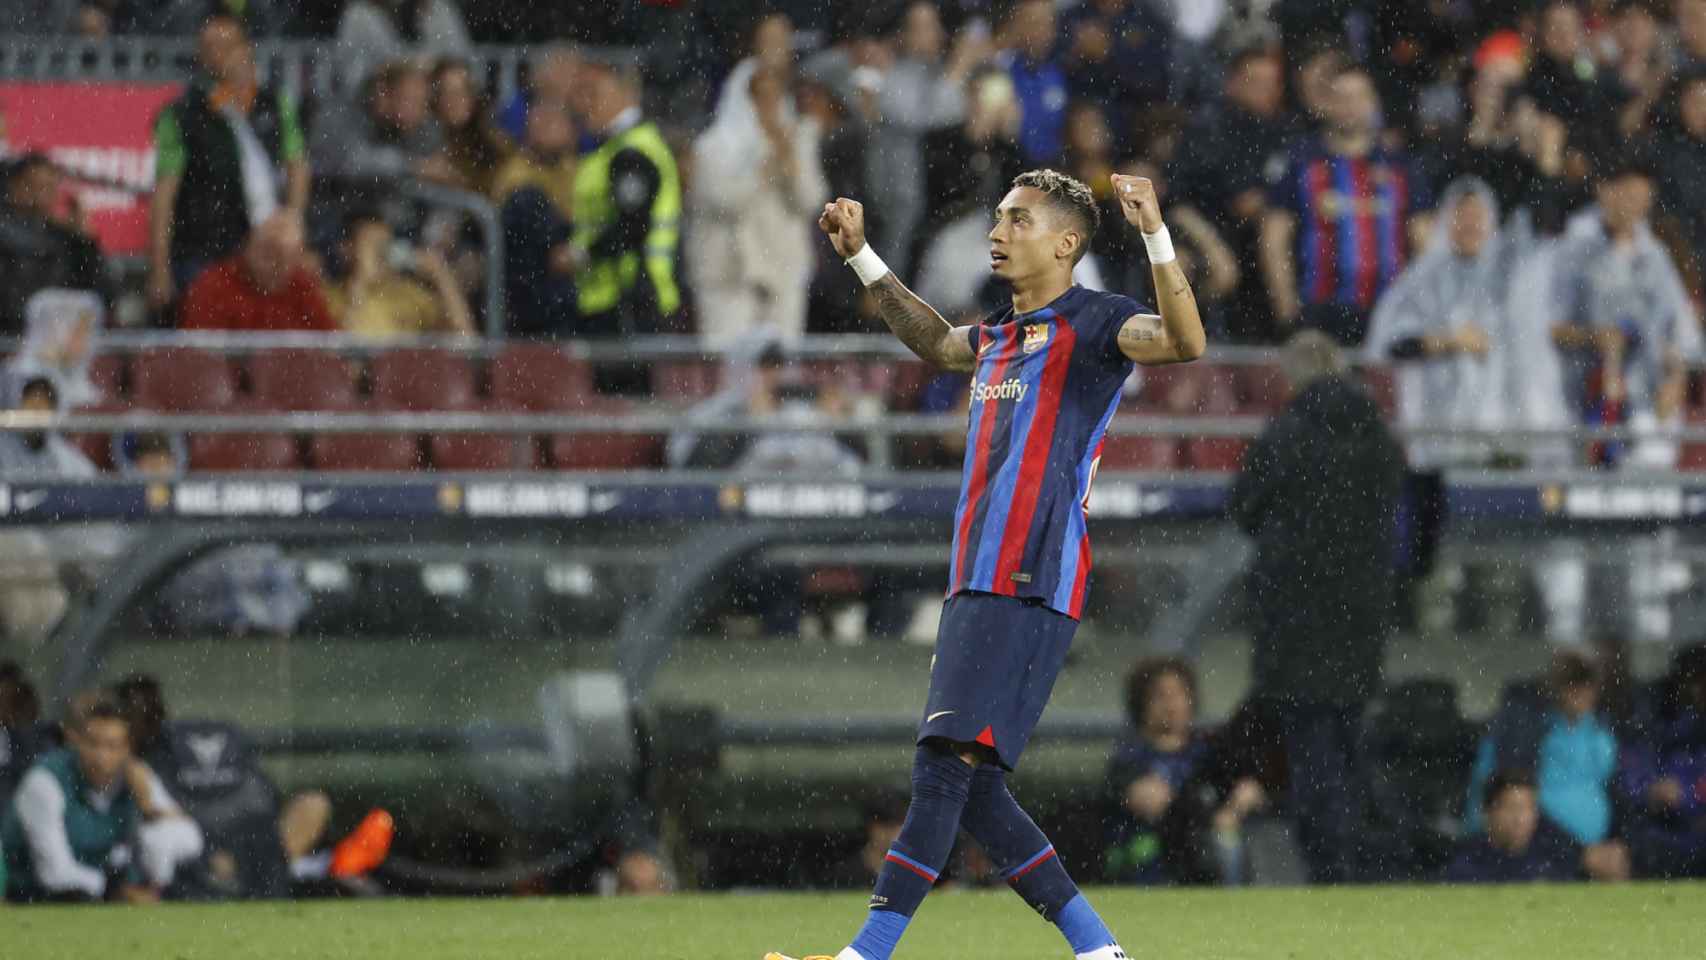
<point x="1028" y="861"/>
<point x="941" y="782"/>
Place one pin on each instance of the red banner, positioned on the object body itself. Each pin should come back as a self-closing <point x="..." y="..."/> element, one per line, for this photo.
<point x="102" y="131"/>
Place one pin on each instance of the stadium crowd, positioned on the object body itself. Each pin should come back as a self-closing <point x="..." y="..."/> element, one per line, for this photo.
<point x="1494" y="200"/>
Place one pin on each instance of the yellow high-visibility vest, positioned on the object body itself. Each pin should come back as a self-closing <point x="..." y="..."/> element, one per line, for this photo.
<point x="602" y="282"/>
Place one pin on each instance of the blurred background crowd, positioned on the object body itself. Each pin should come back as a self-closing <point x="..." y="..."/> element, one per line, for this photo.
<point x="1490" y="205"/>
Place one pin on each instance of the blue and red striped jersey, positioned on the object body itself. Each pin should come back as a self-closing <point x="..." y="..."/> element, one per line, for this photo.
<point x="1046" y="385"/>
<point x="1352" y="217"/>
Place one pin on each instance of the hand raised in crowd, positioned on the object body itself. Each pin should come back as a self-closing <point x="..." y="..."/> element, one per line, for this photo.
<point x="1608" y="862"/>
<point x="1665" y="795"/>
<point x="1149" y="797"/>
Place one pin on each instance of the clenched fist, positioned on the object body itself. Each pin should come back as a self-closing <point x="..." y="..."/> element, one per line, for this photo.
<point x="1138" y="202"/>
<point x="844" y="221"/>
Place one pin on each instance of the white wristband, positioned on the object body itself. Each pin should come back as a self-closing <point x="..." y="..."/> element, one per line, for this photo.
<point x="868" y="265"/>
<point x="1160" y="244"/>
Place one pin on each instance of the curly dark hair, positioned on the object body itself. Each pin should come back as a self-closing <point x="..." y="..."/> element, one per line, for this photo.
<point x="1070" y="196"/>
<point x="1140" y="682"/>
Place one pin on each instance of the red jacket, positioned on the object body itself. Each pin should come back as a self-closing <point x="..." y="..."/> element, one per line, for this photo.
<point x="224" y="298"/>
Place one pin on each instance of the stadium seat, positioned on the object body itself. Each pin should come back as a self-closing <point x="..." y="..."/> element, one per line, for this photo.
<point x="107" y="373"/>
<point x="480" y="451"/>
<point x="1214" y="453"/>
<point x="1189" y="389"/>
<point x="420" y="380"/>
<point x="1136" y="452"/>
<point x="1692" y="457"/>
<point x="220" y="452"/>
<point x="605" y="451"/>
<point x="540" y="378"/>
<point x="301" y="380"/>
<point x="392" y="452"/>
<point x="182" y="378"/>
<point x="689" y="380"/>
<point x="98" y="447"/>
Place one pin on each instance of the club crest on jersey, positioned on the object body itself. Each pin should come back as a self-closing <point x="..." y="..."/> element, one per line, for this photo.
<point x="1036" y="334"/>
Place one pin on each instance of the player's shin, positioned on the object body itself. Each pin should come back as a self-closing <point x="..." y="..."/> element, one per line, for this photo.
<point x="1028" y="862"/>
<point x="941" y="783"/>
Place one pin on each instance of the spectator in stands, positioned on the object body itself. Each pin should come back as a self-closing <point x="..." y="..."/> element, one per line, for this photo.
<point x="1225" y="154"/>
<point x="40" y="247"/>
<point x="38" y="453"/>
<point x="258" y="841"/>
<point x="229" y="154"/>
<point x="1039" y="81"/>
<point x="1564" y="81"/>
<point x="1626" y="330"/>
<point x="1443" y="324"/>
<point x="55" y="18"/>
<point x="1317" y="61"/>
<point x="1517" y="846"/>
<point x="1340" y="219"/>
<point x="1122" y="263"/>
<point x="1662" y="775"/>
<point x="374" y="32"/>
<point x="389" y="133"/>
<point x="1691" y="34"/>
<point x="474" y="148"/>
<point x="627" y="210"/>
<point x="259" y="18"/>
<point x="1554" y="729"/>
<point x="763" y="385"/>
<point x="76" y="807"/>
<point x="752" y="253"/>
<point x="1642" y="62"/>
<point x="1117" y="54"/>
<point x="383" y="294"/>
<point x="1149" y="774"/>
<point x="923" y="90"/>
<point x="1681" y="163"/>
<point x="20" y="733"/>
<point x="535" y="193"/>
<point x="268" y="286"/>
<point x="551" y="76"/>
<point x="1319" y="493"/>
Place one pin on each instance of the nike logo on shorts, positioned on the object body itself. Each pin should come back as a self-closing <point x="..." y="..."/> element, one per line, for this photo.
<point x="940" y="713"/>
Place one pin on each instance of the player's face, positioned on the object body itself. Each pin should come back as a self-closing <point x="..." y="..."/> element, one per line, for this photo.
<point x="1029" y="239"/>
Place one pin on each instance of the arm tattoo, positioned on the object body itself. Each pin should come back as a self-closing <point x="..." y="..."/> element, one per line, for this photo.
<point x="918" y="326"/>
<point x="1141" y="328"/>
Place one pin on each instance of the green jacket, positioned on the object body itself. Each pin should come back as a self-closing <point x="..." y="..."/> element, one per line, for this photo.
<point x="627" y="227"/>
<point x="91" y="831"/>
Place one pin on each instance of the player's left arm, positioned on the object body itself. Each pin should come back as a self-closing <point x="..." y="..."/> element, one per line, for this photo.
<point x="1176" y="335"/>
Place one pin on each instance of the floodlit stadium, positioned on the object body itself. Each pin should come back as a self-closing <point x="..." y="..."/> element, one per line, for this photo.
<point x="776" y="479"/>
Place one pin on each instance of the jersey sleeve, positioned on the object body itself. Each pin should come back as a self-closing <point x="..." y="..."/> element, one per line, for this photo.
<point x="974" y="336"/>
<point x="1103" y="330"/>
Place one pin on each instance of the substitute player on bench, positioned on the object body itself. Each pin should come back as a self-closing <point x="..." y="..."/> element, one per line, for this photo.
<point x="1047" y="377"/>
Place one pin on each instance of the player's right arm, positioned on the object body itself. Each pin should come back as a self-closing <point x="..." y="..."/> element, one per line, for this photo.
<point x="915" y="322"/>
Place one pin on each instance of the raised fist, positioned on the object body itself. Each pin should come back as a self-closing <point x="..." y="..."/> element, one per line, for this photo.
<point x="1138" y="202"/>
<point x="844" y="221"/>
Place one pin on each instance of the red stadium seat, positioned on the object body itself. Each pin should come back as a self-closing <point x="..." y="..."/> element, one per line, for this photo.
<point x="182" y="378"/>
<point x="1189" y="389"/>
<point x="480" y="451"/>
<point x="98" y="447"/>
<point x="302" y="380"/>
<point x="389" y="452"/>
<point x="418" y="379"/>
<point x="539" y="377"/>
<point x="1692" y="457"/>
<point x="219" y="452"/>
<point x="685" y="379"/>
<point x="606" y="451"/>
<point x="1215" y="453"/>
<point x="106" y="372"/>
<point x="1136" y="452"/>
<point x="910" y="378"/>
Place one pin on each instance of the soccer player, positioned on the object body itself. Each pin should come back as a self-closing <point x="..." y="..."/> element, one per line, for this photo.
<point x="1047" y="377"/>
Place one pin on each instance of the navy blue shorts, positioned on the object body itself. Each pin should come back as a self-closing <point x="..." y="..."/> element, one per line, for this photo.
<point x="995" y="665"/>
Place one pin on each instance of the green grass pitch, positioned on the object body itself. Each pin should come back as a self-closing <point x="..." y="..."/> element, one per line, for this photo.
<point x="1662" y="922"/>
